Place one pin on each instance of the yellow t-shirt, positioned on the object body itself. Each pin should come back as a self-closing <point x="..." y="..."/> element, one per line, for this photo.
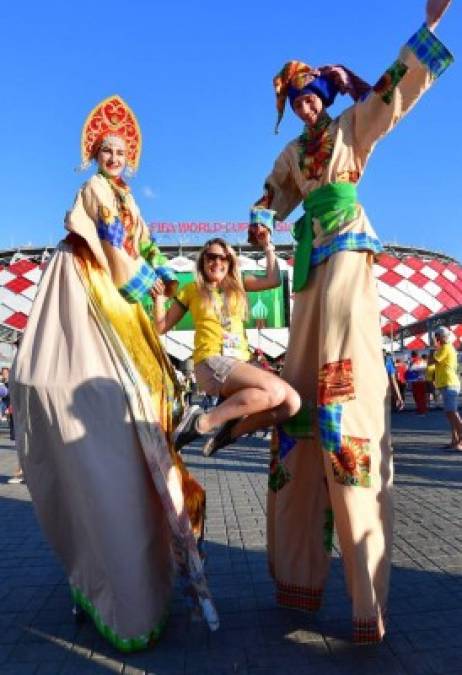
<point x="446" y="367"/>
<point x="430" y="372"/>
<point x="210" y="335"/>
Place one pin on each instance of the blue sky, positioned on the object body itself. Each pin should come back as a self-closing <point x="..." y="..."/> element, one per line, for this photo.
<point x="198" y="74"/>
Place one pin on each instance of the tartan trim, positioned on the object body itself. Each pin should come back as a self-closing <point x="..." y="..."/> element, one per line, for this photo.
<point x="112" y="232"/>
<point x="335" y="382"/>
<point x="330" y="427"/>
<point x="262" y="216"/>
<point x="139" y="285"/>
<point x="151" y="253"/>
<point x="166" y="274"/>
<point x="367" y="630"/>
<point x="298" y="597"/>
<point x="387" y="84"/>
<point x="285" y="442"/>
<point x="430" y="51"/>
<point x="350" y="241"/>
<point x="280" y="446"/>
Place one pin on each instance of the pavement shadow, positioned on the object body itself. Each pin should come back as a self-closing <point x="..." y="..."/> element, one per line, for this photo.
<point x="37" y="624"/>
<point x="256" y="636"/>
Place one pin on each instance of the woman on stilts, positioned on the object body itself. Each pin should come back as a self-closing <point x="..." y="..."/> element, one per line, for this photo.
<point x="94" y="396"/>
<point x="332" y="462"/>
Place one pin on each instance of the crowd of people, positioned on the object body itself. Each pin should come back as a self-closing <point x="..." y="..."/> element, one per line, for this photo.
<point x="99" y="409"/>
<point x="433" y="377"/>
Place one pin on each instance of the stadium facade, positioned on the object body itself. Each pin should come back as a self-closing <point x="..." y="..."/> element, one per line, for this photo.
<point x="413" y="284"/>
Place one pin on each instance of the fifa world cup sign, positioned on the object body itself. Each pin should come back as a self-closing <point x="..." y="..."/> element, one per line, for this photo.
<point x="207" y="228"/>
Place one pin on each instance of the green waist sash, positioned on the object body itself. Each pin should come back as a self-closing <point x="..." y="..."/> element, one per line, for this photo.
<point x="332" y="205"/>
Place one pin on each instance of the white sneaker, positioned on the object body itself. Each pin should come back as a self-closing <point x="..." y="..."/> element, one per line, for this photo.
<point x="16" y="480"/>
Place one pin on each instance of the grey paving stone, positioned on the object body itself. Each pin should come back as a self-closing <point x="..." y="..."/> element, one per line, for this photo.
<point x="5" y="651"/>
<point x="256" y="636"/>
<point x="49" y="668"/>
<point x="37" y="653"/>
<point x="19" y="669"/>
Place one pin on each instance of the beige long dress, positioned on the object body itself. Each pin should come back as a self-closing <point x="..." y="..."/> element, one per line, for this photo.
<point x="333" y="462"/>
<point x="93" y="395"/>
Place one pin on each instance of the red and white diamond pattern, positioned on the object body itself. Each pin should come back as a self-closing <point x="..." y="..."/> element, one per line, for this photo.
<point x="410" y="289"/>
<point x="413" y="288"/>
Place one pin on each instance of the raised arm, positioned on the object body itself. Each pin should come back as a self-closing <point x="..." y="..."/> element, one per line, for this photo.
<point x="420" y="62"/>
<point x="281" y="193"/>
<point x="434" y="11"/>
<point x="165" y="320"/>
<point x="272" y="278"/>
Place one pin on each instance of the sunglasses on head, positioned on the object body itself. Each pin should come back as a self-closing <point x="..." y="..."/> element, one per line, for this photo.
<point x="212" y="257"/>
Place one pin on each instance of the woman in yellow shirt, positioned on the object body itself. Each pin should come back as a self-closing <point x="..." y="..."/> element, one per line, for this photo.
<point x="254" y="398"/>
<point x="448" y="383"/>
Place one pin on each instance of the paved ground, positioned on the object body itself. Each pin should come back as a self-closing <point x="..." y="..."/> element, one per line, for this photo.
<point x="37" y="633"/>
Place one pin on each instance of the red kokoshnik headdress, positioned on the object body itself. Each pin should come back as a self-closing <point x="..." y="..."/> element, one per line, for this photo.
<point x="111" y="117"/>
<point x="297" y="78"/>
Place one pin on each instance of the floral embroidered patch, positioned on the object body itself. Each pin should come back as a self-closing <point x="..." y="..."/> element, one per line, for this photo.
<point x="335" y="383"/>
<point x="390" y="80"/>
<point x="351" y="466"/>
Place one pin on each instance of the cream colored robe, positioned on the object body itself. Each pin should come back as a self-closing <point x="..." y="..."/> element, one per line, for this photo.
<point x="338" y="467"/>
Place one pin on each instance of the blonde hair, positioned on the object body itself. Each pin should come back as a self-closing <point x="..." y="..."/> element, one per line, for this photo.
<point x="232" y="285"/>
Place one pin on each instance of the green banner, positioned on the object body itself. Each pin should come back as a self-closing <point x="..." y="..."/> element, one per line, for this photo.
<point x="266" y="308"/>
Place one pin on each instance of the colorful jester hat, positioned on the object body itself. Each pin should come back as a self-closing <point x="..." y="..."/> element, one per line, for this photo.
<point x="297" y="79"/>
<point x="111" y="117"/>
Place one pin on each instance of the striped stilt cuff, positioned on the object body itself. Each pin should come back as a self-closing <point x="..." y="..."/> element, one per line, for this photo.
<point x="298" y="597"/>
<point x="368" y="630"/>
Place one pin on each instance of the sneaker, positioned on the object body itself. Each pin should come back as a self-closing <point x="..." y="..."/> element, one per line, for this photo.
<point x="220" y="439"/>
<point x="186" y="432"/>
<point x="16" y="480"/>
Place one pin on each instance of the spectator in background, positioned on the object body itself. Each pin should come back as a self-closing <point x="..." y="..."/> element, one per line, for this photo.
<point x="429" y="380"/>
<point x="416" y="377"/>
<point x="397" y="399"/>
<point x="447" y="382"/>
<point x="4" y="393"/>
<point x="7" y="411"/>
<point x="401" y="369"/>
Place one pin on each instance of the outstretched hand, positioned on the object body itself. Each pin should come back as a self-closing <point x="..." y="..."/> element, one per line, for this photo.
<point x="435" y="10"/>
